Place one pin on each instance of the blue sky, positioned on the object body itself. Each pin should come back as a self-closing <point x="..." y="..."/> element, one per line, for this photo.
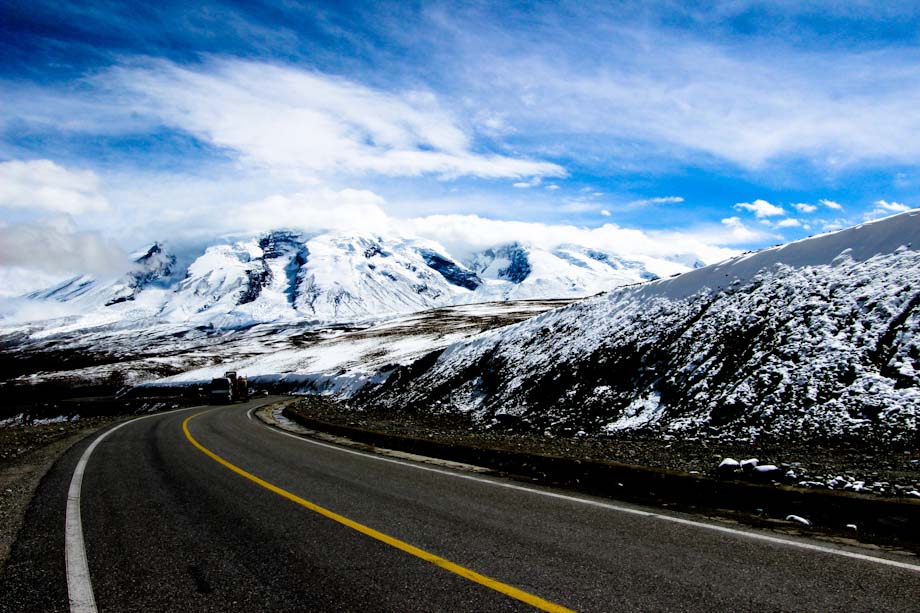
<point x="664" y="127"/>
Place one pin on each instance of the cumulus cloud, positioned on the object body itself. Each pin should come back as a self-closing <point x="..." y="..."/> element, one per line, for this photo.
<point x="299" y="121"/>
<point x="316" y="210"/>
<point x="883" y="208"/>
<point x="46" y="186"/>
<point x="761" y="208"/>
<point x="789" y="222"/>
<point x="739" y="233"/>
<point x="892" y="207"/>
<point x="57" y="247"/>
<point x="804" y="207"/>
<point x="831" y="204"/>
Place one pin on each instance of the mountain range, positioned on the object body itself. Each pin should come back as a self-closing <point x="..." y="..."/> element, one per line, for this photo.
<point x="288" y="276"/>
<point x="816" y="339"/>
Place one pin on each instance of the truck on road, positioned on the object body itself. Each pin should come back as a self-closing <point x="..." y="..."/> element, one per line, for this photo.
<point x="229" y="388"/>
<point x="220" y="391"/>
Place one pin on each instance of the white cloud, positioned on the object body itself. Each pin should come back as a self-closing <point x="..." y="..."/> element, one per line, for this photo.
<point x="57" y="247"/>
<point x="465" y="234"/>
<point x="892" y="207"/>
<point x="658" y="200"/>
<point x="46" y="186"/>
<point x="761" y="208"/>
<point x="831" y="204"/>
<point x="347" y="210"/>
<point x="789" y="222"/>
<point x="552" y="186"/>
<point x="578" y="206"/>
<point x="883" y="208"/>
<point x="534" y="182"/>
<point x="303" y="122"/>
<point x="804" y="207"/>
<point x="738" y="233"/>
<point x="695" y="95"/>
<point x="350" y="210"/>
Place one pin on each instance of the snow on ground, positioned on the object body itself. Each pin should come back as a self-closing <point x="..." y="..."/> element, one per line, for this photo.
<point x="296" y="355"/>
<point x="344" y="361"/>
<point x="820" y="337"/>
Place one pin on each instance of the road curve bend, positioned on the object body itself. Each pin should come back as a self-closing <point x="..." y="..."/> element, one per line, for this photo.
<point x="205" y="510"/>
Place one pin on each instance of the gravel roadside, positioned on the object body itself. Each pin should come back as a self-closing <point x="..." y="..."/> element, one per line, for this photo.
<point x="26" y="455"/>
<point x="873" y="470"/>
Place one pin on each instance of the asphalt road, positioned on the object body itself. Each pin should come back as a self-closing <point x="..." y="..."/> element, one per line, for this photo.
<point x="169" y="527"/>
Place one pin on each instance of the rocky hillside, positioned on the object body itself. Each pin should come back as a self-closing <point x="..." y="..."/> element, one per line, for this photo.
<point x="818" y="338"/>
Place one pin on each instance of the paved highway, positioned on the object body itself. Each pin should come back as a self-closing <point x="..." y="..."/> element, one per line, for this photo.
<point x="209" y="510"/>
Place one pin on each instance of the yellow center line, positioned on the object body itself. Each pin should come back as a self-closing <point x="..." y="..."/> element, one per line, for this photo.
<point x="498" y="586"/>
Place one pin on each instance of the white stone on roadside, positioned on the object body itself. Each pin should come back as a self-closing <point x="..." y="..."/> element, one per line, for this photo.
<point x="914" y="493"/>
<point x="798" y="520"/>
<point x="766" y="468"/>
<point x="852" y="527"/>
<point x="749" y="464"/>
<point x="729" y="464"/>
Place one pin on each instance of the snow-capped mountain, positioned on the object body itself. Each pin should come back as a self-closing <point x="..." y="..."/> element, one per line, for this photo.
<point x="820" y="337"/>
<point x="287" y="276"/>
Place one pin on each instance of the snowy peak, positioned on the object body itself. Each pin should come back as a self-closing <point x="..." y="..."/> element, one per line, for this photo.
<point x="453" y="272"/>
<point x="155" y="267"/>
<point x="349" y="277"/>
<point x="859" y="243"/>
<point x="601" y="262"/>
<point x="286" y="275"/>
<point x="507" y="263"/>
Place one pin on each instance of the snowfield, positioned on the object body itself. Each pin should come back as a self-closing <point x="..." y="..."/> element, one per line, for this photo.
<point x="818" y="338"/>
<point x="287" y="356"/>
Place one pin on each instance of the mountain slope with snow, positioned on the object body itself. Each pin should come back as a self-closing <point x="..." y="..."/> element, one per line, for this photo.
<point x="818" y="338"/>
<point x="285" y="276"/>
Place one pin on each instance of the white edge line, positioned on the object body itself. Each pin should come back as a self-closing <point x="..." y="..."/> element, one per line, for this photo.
<point x="612" y="507"/>
<point x="79" y="582"/>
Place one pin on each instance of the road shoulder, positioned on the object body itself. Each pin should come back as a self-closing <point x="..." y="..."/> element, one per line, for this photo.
<point x="19" y="480"/>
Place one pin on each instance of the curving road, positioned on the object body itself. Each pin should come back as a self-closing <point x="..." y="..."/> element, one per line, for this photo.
<point x="222" y="513"/>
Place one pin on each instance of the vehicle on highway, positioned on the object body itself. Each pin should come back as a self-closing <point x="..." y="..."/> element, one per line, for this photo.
<point x="239" y="385"/>
<point x="221" y="391"/>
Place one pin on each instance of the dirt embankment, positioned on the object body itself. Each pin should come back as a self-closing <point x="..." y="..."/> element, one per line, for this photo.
<point x="892" y="471"/>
